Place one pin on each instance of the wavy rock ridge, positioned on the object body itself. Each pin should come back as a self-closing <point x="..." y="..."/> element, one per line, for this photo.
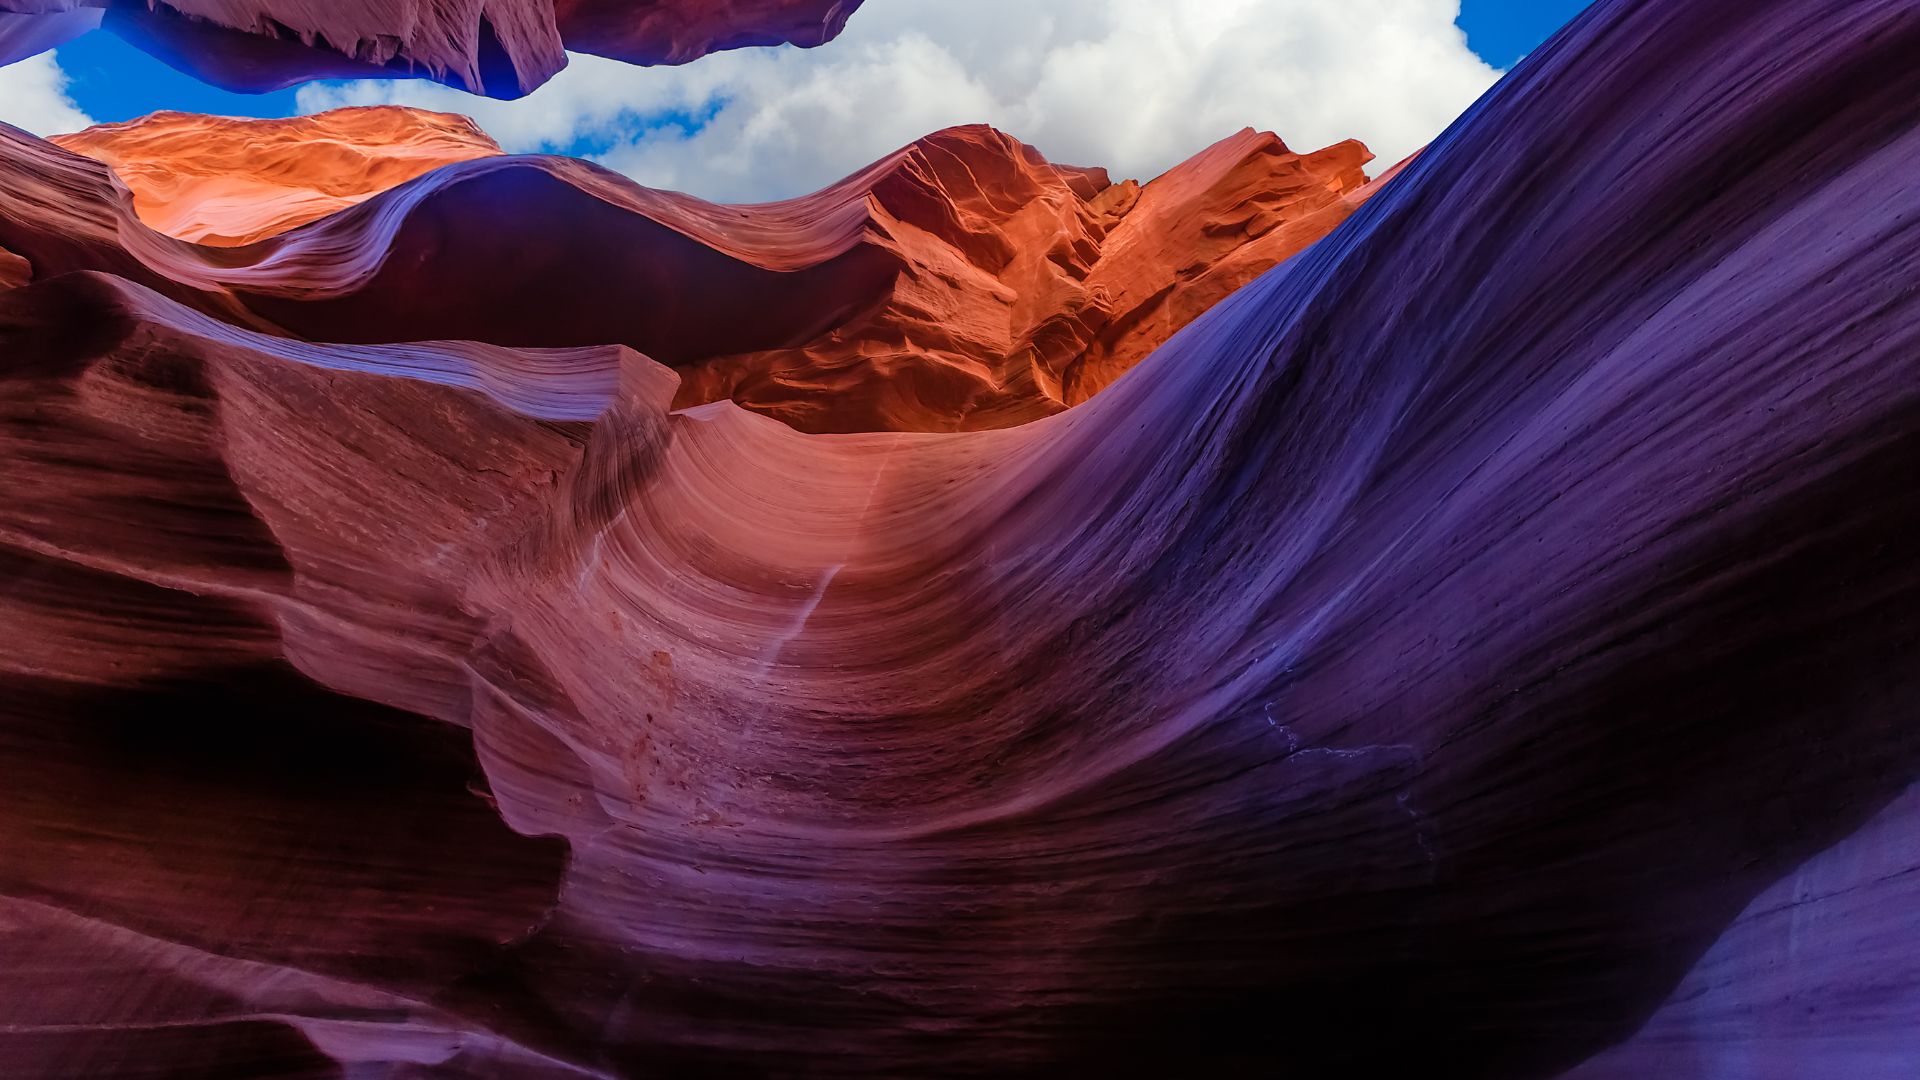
<point x="1486" y="638"/>
<point x="963" y="282"/>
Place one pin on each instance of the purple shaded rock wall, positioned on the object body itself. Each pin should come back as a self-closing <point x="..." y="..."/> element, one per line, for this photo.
<point x="1817" y="977"/>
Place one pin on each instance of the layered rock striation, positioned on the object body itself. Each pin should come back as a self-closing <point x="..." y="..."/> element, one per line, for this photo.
<point x="1485" y="638"/>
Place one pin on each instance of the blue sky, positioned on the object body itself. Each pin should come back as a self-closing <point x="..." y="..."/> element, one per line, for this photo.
<point x="1503" y="31"/>
<point x="1134" y="85"/>
<point x="112" y="80"/>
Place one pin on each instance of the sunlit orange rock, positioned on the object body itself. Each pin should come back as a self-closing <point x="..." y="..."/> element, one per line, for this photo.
<point x="225" y="181"/>
<point x="1025" y="286"/>
<point x="963" y="282"/>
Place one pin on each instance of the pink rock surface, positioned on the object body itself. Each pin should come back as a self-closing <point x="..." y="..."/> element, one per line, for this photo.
<point x="1421" y="663"/>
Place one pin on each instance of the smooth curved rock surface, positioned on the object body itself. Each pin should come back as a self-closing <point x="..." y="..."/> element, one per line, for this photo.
<point x="500" y="48"/>
<point x="1817" y="977"/>
<point x="228" y="182"/>
<point x="1427" y="655"/>
<point x="23" y="35"/>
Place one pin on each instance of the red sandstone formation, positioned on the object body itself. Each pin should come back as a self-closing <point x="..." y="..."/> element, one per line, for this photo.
<point x="1025" y="287"/>
<point x="1486" y="639"/>
<point x="961" y="283"/>
<point x="226" y="182"/>
<point x="501" y="48"/>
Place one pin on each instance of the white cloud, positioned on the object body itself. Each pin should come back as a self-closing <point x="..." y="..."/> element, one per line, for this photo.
<point x="33" y="95"/>
<point x="1135" y="85"/>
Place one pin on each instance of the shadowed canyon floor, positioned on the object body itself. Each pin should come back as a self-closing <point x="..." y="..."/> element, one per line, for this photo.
<point x="1481" y="644"/>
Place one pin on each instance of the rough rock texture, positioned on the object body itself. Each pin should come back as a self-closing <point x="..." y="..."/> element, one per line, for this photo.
<point x="226" y="182"/>
<point x="501" y="48"/>
<point x="962" y="282"/>
<point x="1427" y="656"/>
<point x="1025" y="287"/>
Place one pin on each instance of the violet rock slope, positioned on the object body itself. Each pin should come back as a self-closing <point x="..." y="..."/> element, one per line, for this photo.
<point x="1482" y="646"/>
